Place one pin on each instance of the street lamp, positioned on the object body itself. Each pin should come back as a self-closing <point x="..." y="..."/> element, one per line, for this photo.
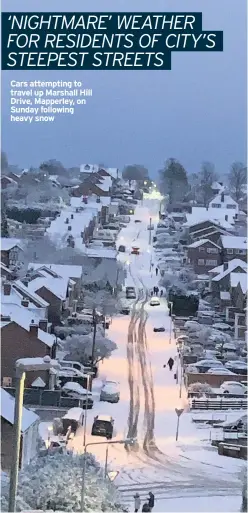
<point x="128" y="441"/>
<point x="171" y="308"/>
<point x="86" y="406"/>
<point x="22" y="366"/>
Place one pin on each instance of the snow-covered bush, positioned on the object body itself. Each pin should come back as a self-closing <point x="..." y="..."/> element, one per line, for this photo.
<point x="200" y="388"/>
<point x="79" y="347"/>
<point x="57" y="480"/>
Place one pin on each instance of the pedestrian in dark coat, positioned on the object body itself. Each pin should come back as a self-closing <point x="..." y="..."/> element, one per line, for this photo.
<point x="151" y="501"/>
<point x="156" y="271"/>
<point x="170" y="363"/>
<point x="161" y="292"/>
<point x="145" y="507"/>
<point x="154" y="289"/>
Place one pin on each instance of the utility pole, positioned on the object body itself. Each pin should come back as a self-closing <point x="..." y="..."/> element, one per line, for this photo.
<point x="94" y="335"/>
<point x="150" y="231"/>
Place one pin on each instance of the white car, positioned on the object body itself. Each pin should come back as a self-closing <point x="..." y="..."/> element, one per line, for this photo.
<point x="233" y="387"/>
<point x="110" y="392"/>
<point x="154" y="302"/>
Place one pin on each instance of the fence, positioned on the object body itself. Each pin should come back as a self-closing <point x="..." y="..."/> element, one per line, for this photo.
<point x="218" y="404"/>
<point x="233" y="451"/>
<point x="34" y="397"/>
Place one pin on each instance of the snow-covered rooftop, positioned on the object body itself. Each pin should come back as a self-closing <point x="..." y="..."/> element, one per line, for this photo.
<point x="236" y="278"/>
<point x="58" y="286"/>
<point x="24" y="317"/>
<point x="92" y="203"/>
<point x="19" y="292"/>
<point x="113" y="171"/>
<point x="200" y="242"/>
<point x="9" y="243"/>
<point x="224" y="200"/>
<point x="65" y="271"/>
<point x="233" y="242"/>
<point x="213" y="215"/>
<point x="232" y="264"/>
<point x="100" y="252"/>
<point x="8" y="408"/>
<point x="217" y="186"/>
<point x="223" y="274"/>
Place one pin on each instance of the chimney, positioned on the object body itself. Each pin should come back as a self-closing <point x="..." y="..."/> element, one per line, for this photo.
<point x="25" y="302"/>
<point x="6" y="289"/>
<point x="43" y="323"/>
<point x="226" y="218"/>
<point x="225" y="266"/>
<point x="222" y="197"/>
<point x="33" y="329"/>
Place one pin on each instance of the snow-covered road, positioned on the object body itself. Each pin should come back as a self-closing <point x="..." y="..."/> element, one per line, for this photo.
<point x="149" y="394"/>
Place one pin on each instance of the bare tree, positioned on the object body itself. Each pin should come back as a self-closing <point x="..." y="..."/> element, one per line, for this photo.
<point x="207" y="177"/>
<point x="135" y="172"/>
<point x="237" y="180"/>
<point x="53" y="167"/>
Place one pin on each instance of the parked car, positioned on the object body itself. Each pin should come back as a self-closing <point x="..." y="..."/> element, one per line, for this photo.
<point x="110" y="392"/>
<point x="125" y="310"/>
<point x="130" y="293"/>
<point x="233" y="387"/>
<point x="159" y="330"/>
<point x="239" y="425"/>
<point x="135" y="251"/>
<point x="137" y="221"/>
<point x="154" y="302"/>
<point x="122" y="248"/>
<point x="103" y="425"/>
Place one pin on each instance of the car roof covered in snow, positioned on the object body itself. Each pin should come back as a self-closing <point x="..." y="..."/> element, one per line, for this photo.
<point x="104" y="418"/>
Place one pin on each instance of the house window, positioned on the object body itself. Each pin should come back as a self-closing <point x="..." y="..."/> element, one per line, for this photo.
<point x="7" y="382"/>
<point x="241" y="252"/>
<point x="213" y="263"/>
<point x="231" y="206"/>
<point x="201" y="261"/>
<point x="216" y="205"/>
<point x="229" y="251"/>
<point x="201" y="249"/>
<point x="212" y="250"/>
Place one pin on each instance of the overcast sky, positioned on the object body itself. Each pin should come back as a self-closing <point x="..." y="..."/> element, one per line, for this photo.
<point x="195" y="112"/>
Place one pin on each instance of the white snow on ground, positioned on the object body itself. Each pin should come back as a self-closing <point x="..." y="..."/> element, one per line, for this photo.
<point x="189" y="467"/>
<point x="194" y="505"/>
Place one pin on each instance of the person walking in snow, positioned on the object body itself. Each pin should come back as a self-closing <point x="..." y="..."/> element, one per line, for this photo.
<point x="154" y="290"/>
<point x="156" y="271"/>
<point x="137" y="502"/>
<point x="161" y="292"/>
<point x="145" y="507"/>
<point x="170" y="363"/>
<point x="151" y="500"/>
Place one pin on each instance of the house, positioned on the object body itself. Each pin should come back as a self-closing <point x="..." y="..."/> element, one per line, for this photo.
<point x="224" y="201"/>
<point x="88" y="188"/>
<point x="217" y="188"/>
<point x="206" y="229"/>
<point x="203" y="255"/>
<point x="180" y="207"/>
<point x="233" y="247"/>
<point x="56" y="291"/>
<point x="21" y="337"/>
<point x="215" y="214"/>
<point x="29" y="433"/>
<point x="238" y="284"/>
<point x="69" y="272"/>
<point x="7" y="181"/>
<point x="222" y="281"/>
<point x="231" y="265"/>
<point x="10" y="252"/>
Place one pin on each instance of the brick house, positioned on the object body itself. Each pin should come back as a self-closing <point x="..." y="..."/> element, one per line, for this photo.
<point x="87" y="189"/>
<point x="57" y="292"/>
<point x="203" y="255"/>
<point x="238" y="285"/>
<point x="206" y="230"/>
<point x="21" y="339"/>
<point x="71" y="272"/>
<point x="29" y="433"/>
<point x="233" y="247"/>
<point x="10" y="251"/>
<point x="7" y="273"/>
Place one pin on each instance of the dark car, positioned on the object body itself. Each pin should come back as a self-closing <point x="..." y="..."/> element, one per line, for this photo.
<point x="103" y="425"/>
<point x="137" y="221"/>
<point x="159" y="330"/>
<point x="122" y="248"/>
<point x="125" y="311"/>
